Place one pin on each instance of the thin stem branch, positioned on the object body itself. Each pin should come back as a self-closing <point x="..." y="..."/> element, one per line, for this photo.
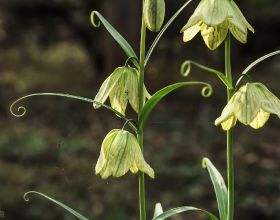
<point x="230" y="155"/>
<point x="140" y="136"/>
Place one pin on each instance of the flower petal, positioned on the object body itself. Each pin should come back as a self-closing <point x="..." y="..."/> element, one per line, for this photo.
<point x="119" y="95"/>
<point x="247" y="106"/>
<point x="214" y="12"/>
<point x="214" y="36"/>
<point x="194" y="20"/>
<point x="132" y="88"/>
<point x="260" y="119"/>
<point x="107" y="87"/>
<point x="102" y="167"/>
<point x="239" y="34"/>
<point x="139" y="161"/>
<point x="196" y="16"/>
<point x="120" y="156"/>
<point x="190" y="33"/>
<point x="241" y="16"/>
<point x="228" y="124"/>
<point x="270" y="102"/>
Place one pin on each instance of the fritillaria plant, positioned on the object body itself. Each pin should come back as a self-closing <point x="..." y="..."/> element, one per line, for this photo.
<point x="123" y="150"/>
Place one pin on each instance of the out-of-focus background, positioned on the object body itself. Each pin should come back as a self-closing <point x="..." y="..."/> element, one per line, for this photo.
<point x="50" y="46"/>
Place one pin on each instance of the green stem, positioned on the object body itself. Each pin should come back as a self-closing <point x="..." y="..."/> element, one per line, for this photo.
<point x="140" y="137"/>
<point x="230" y="156"/>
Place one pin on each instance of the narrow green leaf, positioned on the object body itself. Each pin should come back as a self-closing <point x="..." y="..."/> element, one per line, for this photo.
<point x="158" y="211"/>
<point x="186" y="69"/>
<point x="116" y="35"/>
<point x="159" y="95"/>
<point x="219" y="186"/>
<point x="67" y="208"/>
<point x="155" y="42"/>
<point x="21" y="110"/>
<point x="256" y="62"/>
<point x="178" y="210"/>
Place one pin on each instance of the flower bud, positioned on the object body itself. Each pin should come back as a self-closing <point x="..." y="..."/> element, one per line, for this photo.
<point x="154" y="13"/>
<point x="120" y="152"/>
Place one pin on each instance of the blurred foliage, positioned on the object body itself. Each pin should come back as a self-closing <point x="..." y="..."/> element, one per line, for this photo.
<point x="51" y="46"/>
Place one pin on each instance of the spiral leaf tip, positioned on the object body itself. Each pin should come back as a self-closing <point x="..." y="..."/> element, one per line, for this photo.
<point x="204" y="164"/>
<point x="26" y="196"/>
<point x="92" y="19"/>
<point x="207" y="91"/>
<point x="186" y="68"/>
<point x="17" y="112"/>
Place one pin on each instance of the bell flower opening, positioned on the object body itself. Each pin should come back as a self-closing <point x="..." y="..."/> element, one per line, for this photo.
<point x="214" y="18"/>
<point x="120" y="152"/>
<point x="252" y="105"/>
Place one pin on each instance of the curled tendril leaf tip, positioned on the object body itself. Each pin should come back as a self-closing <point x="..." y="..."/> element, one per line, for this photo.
<point x="204" y="165"/>
<point x="21" y="110"/>
<point x="92" y="19"/>
<point x="186" y="68"/>
<point x="207" y="91"/>
<point x="26" y="197"/>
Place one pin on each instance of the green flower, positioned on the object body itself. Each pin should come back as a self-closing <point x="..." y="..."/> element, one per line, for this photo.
<point x="120" y="152"/>
<point x="252" y="105"/>
<point x="121" y="87"/>
<point x="214" y="18"/>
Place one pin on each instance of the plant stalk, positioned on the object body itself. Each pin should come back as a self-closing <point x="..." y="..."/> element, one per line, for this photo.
<point x="140" y="136"/>
<point x="230" y="155"/>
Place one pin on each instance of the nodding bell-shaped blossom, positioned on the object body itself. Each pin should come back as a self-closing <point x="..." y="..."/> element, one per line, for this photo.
<point x="252" y="105"/>
<point x="120" y="152"/>
<point x="214" y="18"/>
<point x="121" y="87"/>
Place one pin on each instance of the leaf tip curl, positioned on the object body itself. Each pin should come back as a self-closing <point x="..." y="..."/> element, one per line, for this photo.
<point x="26" y="197"/>
<point x="18" y="112"/>
<point x="93" y="21"/>
<point x="186" y="68"/>
<point x="204" y="162"/>
<point x="207" y="91"/>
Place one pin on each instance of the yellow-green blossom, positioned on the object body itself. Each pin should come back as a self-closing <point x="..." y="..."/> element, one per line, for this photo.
<point x="252" y="105"/>
<point x="120" y="152"/>
<point x="214" y="18"/>
<point x="121" y="87"/>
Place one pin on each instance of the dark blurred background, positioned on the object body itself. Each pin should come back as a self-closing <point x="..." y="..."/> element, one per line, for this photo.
<point x="50" y="46"/>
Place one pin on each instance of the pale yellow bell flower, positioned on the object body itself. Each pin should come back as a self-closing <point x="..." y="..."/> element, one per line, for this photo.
<point x="120" y="152"/>
<point x="121" y="87"/>
<point x="214" y="18"/>
<point x="252" y="105"/>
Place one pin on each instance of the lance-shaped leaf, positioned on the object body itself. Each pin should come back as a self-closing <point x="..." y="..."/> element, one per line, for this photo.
<point x="219" y="186"/>
<point x="116" y="35"/>
<point x="67" y="208"/>
<point x="159" y="95"/>
<point x="178" y="210"/>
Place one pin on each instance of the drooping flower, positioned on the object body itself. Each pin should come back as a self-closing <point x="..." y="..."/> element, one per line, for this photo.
<point x="252" y="105"/>
<point x="214" y="18"/>
<point x="120" y="152"/>
<point x="121" y="87"/>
